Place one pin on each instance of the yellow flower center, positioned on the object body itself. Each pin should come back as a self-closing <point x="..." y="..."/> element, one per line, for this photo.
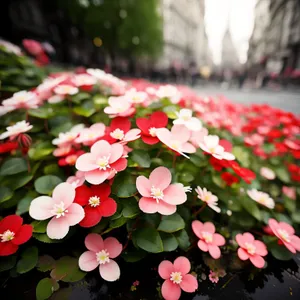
<point x="152" y="131"/>
<point x="157" y="194"/>
<point x="102" y="257"/>
<point x="59" y="210"/>
<point x="250" y="248"/>
<point x="207" y="236"/>
<point x="176" y="277"/>
<point x="94" y="201"/>
<point x="102" y="162"/>
<point x="7" y="236"/>
<point x="117" y="134"/>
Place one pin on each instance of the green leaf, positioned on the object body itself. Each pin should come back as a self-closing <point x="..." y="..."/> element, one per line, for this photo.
<point x="130" y="208"/>
<point x="183" y="239"/>
<point x="44" y="289"/>
<point x="151" y="220"/>
<point x="125" y="190"/>
<point x="7" y="262"/>
<point x="43" y="237"/>
<point x="171" y="223"/>
<point x="42" y="112"/>
<point x="290" y="204"/>
<point x="242" y="155"/>
<point x="40" y="226"/>
<point x="53" y="169"/>
<point x="17" y="181"/>
<point x="283" y="174"/>
<point x="79" y="97"/>
<point x="169" y="241"/>
<point x="24" y="203"/>
<point x="141" y="157"/>
<point x="134" y="255"/>
<point x="149" y="240"/>
<point x="296" y="217"/>
<point x="29" y="259"/>
<point x="13" y="166"/>
<point x="118" y="222"/>
<point x="85" y="110"/>
<point x="5" y="193"/>
<point x="170" y="110"/>
<point x="251" y="207"/>
<point x="186" y="177"/>
<point x="37" y="154"/>
<point x="279" y="252"/>
<point x="100" y="100"/>
<point x="45" y="263"/>
<point x="46" y="184"/>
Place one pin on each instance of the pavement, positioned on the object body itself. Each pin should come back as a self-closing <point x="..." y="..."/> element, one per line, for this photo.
<point x="288" y="100"/>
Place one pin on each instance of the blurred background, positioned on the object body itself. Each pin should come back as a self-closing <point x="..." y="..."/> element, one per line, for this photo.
<point x="212" y="44"/>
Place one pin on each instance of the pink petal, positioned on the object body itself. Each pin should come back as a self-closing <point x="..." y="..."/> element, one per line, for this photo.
<point x="180" y="133"/>
<point x="116" y="152"/>
<point x="40" y="208"/>
<point x="209" y="227"/>
<point x="218" y="240"/>
<point x="110" y="271"/>
<point x="188" y="148"/>
<point x="273" y="225"/>
<point x="132" y="135"/>
<point x="110" y="110"/>
<point x="175" y="194"/>
<point x="214" y="251"/>
<point x="261" y="248"/>
<point x="87" y="261"/>
<point x="170" y="290"/>
<point x="148" y="205"/>
<point x="287" y="227"/>
<point x="113" y="246"/>
<point x="202" y="246"/>
<point x="57" y="228"/>
<point x="86" y="162"/>
<point x="240" y="240"/>
<point x="160" y="178"/>
<point x="189" y="283"/>
<point x="75" y="214"/>
<point x="97" y="176"/>
<point x="101" y="148"/>
<point x="164" y="135"/>
<point x="295" y="241"/>
<point x="94" y="242"/>
<point x="197" y="227"/>
<point x="165" y="269"/>
<point x="289" y="246"/>
<point x="65" y="193"/>
<point x="182" y="264"/>
<point x="248" y="237"/>
<point x="257" y="261"/>
<point x="242" y="254"/>
<point x="166" y="209"/>
<point x="143" y="186"/>
<point x="119" y="165"/>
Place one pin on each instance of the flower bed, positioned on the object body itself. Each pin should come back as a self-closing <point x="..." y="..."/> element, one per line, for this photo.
<point x="95" y="171"/>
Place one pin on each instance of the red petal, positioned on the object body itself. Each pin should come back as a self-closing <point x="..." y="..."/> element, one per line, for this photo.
<point x="23" y="235"/>
<point x="143" y="124"/>
<point x="102" y="190"/>
<point x="12" y="222"/>
<point x="121" y="123"/>
<point x="150" y="140"/>
<point x="83" y="194"/>
<point x="92" y="217"/>
<point x="108" y="207"/>
<point x="159" y="119"/>
<point x="8" y="248"/>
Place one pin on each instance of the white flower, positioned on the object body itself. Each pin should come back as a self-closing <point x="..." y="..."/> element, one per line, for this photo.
<point x="65" y="138"/>
<point x="185" y="117"/>
<point x="5" y="109"/>
<point x="84" y="79"/>
<point x="136" y="97"/>
<point x="66" y="89"/>
<point x="56" y="99"/>
<point x="13" y="131"/>
<point x="261" y="198"/>
<point x="169" y="91"/>
<point x="209" y="198"/>
<point x="22" y="99"/>
<point x="211" y="145"/>
<point x="267" y="173"/>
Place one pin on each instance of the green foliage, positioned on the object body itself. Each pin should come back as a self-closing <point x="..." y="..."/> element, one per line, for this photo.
<point x="46" y="184"/>
<point x="29" y="259"/>
<point x="13" y="166"/>
<point x="149" y="240"/>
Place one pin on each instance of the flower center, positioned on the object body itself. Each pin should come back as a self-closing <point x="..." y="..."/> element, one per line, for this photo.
<point x="207" y="236"/>
<point x="212" y="150"/>
<point x="175" y="144"/>
<point x="206" y="198"/>
<point x="176" y="277"/>
<point x="136" y="99"/>
<point x="284" y="235"/>
<point x="262" y="200"/>
<point x="59" y="210"/>
<point x="250" y="248"/>
<point x="102" y="257"/>
<point x="120" y="108"/>
<point x="152" y="131"/>
<point x="7" y="236"/>
<point x="94" y="201"/>
<point x="157" y="194"/>
<point x="102" y="162"/>
<point x="186" y="118"/>
<point x="117" y="134"/>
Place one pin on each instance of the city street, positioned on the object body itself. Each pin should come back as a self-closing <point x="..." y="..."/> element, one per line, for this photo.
<point x="284" y="99"/>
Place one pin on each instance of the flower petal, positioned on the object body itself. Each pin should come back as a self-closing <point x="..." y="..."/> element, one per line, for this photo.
<point x="58" y="228"/>
<point x="295" y="241"/>
<point x="160" y="178"/>
<point x="83" y="194"/>
<point x="40" y="208"/>
<point x="8" y="248"/>
<point x="12" y="222"/>
<point x="159" y="119"/>
<point x="202" y="246"/>
<point x="91" y="218"/>
<point x="175" y="194"/>
<point x="110" y="271"/>
<point x="23" y="235"/>
<point x="143" y="124"/>
<point x="218" y="240"/>
<point x="96" y="176"/>
<point x="261" y="248"/>
<point x="64" y="192"/>
<point x="170" y="291"/>
<point x="94" y="242"/>
<point x="116" y="152"/>
<point x="150" y="140"/>
<point x="189" y="283"/>
<point x="101" y="148"/>
<point x="209" y="227"/>
<point x="197" y="227"/>
<point x="120" y="164"/>
<point x="86" y="162"/>
<point x="214" y="251"/>
<point x="102" y="190"/>
<point x="113" y="246"/>
<point x="75" y="214"/>
<point x="257" y="261"/>
<point x="143" y="186"/>
<point x="287" y="227"/>
<point x="88" y="261"/>
<point x="166" y="209"/>
<point x="107" y="207"/>
<point x="132" y="135"/>
<point x="180" y="133"/>
<point x="165" y="268"/>
<point x="182" y="264"/>
<point x="242" y="254"/>
<point x="148" y="205"/>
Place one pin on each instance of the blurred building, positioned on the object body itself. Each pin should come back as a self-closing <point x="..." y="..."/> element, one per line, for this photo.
<point x="185" y="40"/>
<point x="229" y="58"/>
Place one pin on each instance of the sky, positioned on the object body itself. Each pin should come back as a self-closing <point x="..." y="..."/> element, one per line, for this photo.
<point x="239" y="14"/>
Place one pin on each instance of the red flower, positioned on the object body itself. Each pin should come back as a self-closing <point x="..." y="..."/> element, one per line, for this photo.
<point x="96" y="203"/>
<point x="13" y="234"/>
<point x="157" y="120"/>
<point x="218" y="164"/>
<point x="246" y="174"/>
<point x="229" y="178"/>
<point x="8" y="146"/>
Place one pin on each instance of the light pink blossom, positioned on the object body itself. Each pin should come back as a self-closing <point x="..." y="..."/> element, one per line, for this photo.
<point x="198" y="136"/>
<point x="102" y="163"/>
<point x="76" y="180"/>
<point x="5" y="109"/>
<point x="22" y="99"/>
<point x="289" y="192"/>
<point x="169" y="91"/>
<point x="56" y="99"/>
<point x="213" y="276"/>
<point x="83" y="80"/>
<point x="210" y="199"/>
<point x="159" y="195"/>
<point x="176" y="278"/>
<point x="254" y="140"/>
<point x="60" y="208"/>
<point x="251" y="249"/>
<point x="65" y="89"/>
<point x="261" y="198"/>
<point x="135" y="97"/>
<point x="100" y="253"/>
<point x="14" y="130"/>
<point x="267" y="173"/>
<point x="185" y="117"/>
<point x="119" y="107"/>
<point x="209" y="240"/>
<point x="89" y="136"/>
<point x="68" y="138"/>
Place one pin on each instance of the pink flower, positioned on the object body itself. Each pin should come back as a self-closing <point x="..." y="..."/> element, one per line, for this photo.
<point x="176" y="139"/>
<point x="289" y="192"/>
<point x="119" y="107"/>
<point x="261" y="198"/>
<point x="14" y="130"/>
<point x="251" y="249"/>
<point x="65" y="89"/>
<point x="185" y="117"/>
<point x="286" y="234"/>
<point x="60" y="208"/>
<point x="102" y="163"/>
<point x="100" y="254"/>
<point x="5" y="109"/>
<point x="68" y="138"/>
<point x="211" y="144"/>
<point x="76" y="180"/>
<point x="33" y="47"/>
<point x="136" y="97"/>
<point x="254" y="140"/>
<point x="198" y="136"/>
<point x="159" y="195"/>
<point x="83" y="80"/>
<point x="169" y="91"/>
<point x="213" y="276"/>
<point x="89" y="136"/>
<point x="267" y="173"/>
<point x="56" y="99"/>
<point x="22" y="99"/>
<point x="176" y="278"/>
<point x="209" y="198"/>
<point x="209" y="240"/>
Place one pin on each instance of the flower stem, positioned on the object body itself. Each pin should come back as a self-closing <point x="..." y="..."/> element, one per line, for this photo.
<point x="200" y="209"/>
<point x="174" y="161"/>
